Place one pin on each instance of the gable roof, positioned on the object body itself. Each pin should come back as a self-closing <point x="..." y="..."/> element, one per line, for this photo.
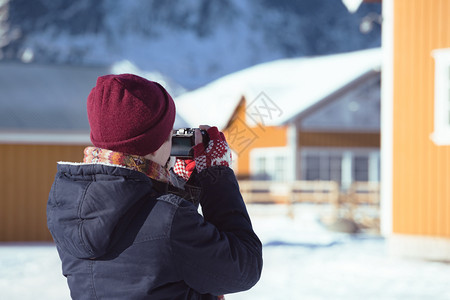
<point x="290" y="85"/>
<point x="49" y="99"/>
<point x="355" y="108"/>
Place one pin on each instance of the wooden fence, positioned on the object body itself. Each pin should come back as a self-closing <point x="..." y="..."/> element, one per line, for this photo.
<point x="360" y="203"/>
<point x="289" y="193"/>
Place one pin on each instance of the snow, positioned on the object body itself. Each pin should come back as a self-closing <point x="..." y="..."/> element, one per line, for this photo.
<point x="126" y="66"/>
<point x="302" y="260"/>
<point x="292" y="85"/>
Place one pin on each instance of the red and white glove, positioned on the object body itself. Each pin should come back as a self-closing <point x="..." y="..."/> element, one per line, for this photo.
<point x="184" y="168"/>
<point x="218" y="153"/>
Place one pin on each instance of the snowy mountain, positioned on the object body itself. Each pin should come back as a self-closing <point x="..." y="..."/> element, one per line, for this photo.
<point x="191" y="41"/>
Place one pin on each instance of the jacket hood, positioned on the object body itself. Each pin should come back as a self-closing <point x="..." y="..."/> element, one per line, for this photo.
<point x="90" y="205"/>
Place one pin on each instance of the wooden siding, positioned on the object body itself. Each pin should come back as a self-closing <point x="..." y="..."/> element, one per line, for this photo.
<point x="25" y="180"/>
<point x="421" y="170"/>
<point x="242" y="138"/>
<point x="342" y="139"/>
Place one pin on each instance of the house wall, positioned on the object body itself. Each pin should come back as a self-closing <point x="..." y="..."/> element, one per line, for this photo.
<point x="421" y="169"/>
<point x="242" y="138"/>
<point x="417" y="198"/>
<point x="339" y="139"/>
<point x="26" y="177"/>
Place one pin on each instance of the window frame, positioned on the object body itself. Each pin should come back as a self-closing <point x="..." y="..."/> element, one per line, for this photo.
<point x="441" y="134"/>
<point x="348" y="156"/>
<point x="271" y="168"/>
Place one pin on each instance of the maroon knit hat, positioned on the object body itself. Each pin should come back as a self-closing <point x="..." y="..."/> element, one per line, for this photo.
<point x="129" y="114"/>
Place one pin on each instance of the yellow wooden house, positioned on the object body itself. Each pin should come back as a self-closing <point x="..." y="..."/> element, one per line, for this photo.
<point x="416" y="128"/>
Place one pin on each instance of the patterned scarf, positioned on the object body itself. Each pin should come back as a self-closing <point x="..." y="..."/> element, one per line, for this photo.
<point x="133" y="162"/>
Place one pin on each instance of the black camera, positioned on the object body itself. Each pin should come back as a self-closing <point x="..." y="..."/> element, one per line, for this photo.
<point x="183" y="140"/>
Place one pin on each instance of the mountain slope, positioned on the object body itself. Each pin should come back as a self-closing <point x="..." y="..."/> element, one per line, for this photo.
<point x="191" y="41"/>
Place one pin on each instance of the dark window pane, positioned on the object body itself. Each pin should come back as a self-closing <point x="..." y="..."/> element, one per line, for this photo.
<point x="312" y="167"/>
<point x="361" y="168"/>
<point x="335" y="168"/>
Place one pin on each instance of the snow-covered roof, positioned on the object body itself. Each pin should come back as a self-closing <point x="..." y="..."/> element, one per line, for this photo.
<point x="38" y="100"/>
<point x="286" y="87"/>
<point x="45" y="97"/>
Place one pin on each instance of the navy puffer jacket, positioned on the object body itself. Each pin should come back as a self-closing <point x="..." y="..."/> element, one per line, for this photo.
<point x="120" y="235"/>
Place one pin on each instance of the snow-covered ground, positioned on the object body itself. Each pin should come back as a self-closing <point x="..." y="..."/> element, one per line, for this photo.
<point x="302" y="260"/>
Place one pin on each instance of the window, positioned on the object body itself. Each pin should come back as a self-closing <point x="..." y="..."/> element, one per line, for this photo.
<point x="279" y="168"/>
<point x="341" y="165"/>
<point x="361" y="168"/>
<point x="261" y="168"/>
<point x="335" y="168"/>
<point x="323" y="167"/>
<point x="441" y="134"/>
<point x="269" y="164"/>
<point x="312" y="167"/>
<point x="446" y="97"/>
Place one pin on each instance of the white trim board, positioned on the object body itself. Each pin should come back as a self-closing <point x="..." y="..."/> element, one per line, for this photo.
<point x="421" y="247"/>
<point x="387" y="120"/>
<point x="45" y="138"/>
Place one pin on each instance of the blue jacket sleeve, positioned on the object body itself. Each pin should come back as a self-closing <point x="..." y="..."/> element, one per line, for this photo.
<point x="218" y="253"/>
